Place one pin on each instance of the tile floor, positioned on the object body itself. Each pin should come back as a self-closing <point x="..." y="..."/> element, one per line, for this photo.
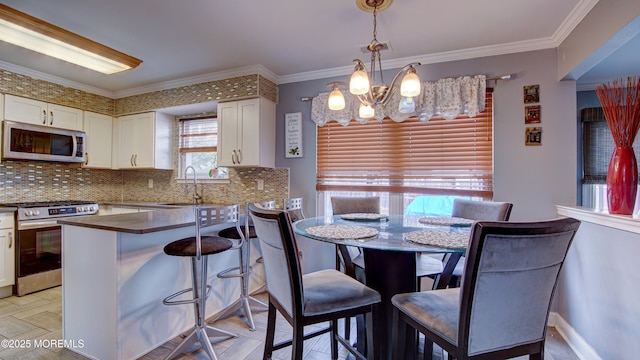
<point x="38" y="317"/>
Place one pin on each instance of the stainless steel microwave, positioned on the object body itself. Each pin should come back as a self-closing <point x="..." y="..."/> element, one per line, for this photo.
<point x="22" y="141"/>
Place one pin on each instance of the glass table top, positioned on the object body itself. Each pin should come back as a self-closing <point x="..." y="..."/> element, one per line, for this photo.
<point x="391" y="235"/>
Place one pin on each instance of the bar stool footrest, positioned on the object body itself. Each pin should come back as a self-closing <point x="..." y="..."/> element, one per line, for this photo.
<point x="169" y="299"/>
<point x="226" y="274"/>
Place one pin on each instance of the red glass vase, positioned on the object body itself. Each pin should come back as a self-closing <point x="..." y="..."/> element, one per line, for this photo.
<point x="622" y="181"/>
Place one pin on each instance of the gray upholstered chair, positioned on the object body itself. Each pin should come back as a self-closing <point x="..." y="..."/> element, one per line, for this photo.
<point x="502" y="307"/>
<point x="321" y="296"/>
<point x="243" y="270"/>
<point x="198" y="248"/>
<point x="477" y="210"/>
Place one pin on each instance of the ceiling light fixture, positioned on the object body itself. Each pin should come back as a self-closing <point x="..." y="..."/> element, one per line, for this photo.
<point x="364" y="85"/>
<point x="34" y="34"/>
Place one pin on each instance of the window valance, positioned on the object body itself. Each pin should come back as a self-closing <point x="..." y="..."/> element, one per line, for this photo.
<point x="449" y="98"/>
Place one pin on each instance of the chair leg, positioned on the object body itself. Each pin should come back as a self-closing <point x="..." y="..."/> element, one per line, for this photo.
<point x="334" y="339"/>
<point x="271" y="329"/>
<point x="298" y="341"/>
<point x="347" y="328"/>
<point x="362" y="337"/>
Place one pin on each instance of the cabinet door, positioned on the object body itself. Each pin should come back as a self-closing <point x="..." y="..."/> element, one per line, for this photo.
<point x="249" y="132"/>
<point x="7" y="255"/>
<point x="25" y="110"/>
<point x="227" y="133"/>
<point x="64" y="117"/>
<point x="99" y="140"/>
<point x="136" y="134"/>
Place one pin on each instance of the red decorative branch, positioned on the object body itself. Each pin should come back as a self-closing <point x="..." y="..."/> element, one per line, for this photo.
<point x="621" y="106"/>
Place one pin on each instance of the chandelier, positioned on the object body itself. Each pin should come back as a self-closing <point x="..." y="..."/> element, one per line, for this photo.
<point x="364" y="85"/>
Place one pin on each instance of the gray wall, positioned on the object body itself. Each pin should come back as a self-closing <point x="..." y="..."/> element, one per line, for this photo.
<point x="533" y="178"/>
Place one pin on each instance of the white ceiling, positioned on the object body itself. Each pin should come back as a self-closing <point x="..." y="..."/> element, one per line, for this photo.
<point x="288" y="40"/>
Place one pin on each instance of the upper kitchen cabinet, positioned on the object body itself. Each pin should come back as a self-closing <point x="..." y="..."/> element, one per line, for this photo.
<point x="143" y="141"/>
<point x="41" y="113"/>
<point x="99" y="129"/>
<point x="247" y="133"/>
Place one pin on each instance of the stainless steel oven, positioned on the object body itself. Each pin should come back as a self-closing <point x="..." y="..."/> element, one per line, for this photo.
<point x="38" y="242"/>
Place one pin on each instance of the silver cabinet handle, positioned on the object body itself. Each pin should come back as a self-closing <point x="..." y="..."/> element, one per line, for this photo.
<point x="131" y="160"/>
<point x="86" y="160"/>
<point x="233" y="157"/>
<point x="44" y="117"/>
<point x="10" y="240"/>
<point x="239" y="156"/>
<point x="51" y="118"/>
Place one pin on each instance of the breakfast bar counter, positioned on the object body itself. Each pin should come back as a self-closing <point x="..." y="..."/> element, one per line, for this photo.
<point x="115" y="275"/>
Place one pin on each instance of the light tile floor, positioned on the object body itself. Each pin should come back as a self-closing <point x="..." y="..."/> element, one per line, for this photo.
<point x="38" y="317"/>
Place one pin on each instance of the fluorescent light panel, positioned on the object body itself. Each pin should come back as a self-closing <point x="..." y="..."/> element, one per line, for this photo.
<point x="34" y="34"/>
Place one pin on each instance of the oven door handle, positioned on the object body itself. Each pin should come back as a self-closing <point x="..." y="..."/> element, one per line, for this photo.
<point x="37" y="225"/>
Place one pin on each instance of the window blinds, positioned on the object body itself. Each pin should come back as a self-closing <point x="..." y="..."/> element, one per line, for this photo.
<point x="198" y="135"/>
<point x="438" y="157"/>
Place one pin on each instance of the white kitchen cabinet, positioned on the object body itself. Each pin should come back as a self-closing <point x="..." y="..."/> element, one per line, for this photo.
<point x="247" y="133"/>
<point x="99" y="129"/>
<point x="36" y="112"/>
<point x="7" y="250"/>
<point x="144" y="141"/>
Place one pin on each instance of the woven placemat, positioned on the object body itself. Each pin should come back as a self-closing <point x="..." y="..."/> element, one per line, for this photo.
<point x="439" y="238"/>
<point x="363" y="217"/>
<point x="445" y="220"/>
<point x="342" y="232"/>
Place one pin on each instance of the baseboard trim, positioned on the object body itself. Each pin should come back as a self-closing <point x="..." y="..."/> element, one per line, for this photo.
<point x="583" y="350"/>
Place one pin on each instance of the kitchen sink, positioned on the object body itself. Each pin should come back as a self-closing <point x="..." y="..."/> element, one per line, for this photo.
<point x="178" y="204"/>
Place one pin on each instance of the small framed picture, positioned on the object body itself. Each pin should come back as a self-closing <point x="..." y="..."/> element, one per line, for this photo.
<point x="532" y="114"/>
<point x="531" y="94"/>
<point x="533" y="136"/>
<point x="293" y="135"/>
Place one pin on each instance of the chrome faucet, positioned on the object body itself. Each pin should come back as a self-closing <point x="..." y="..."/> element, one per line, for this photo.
<point x="196" y="196"/>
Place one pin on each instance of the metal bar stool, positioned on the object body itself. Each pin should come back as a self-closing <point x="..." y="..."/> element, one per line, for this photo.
<point x="243" y="270"/>
<point x="198" y="248"/>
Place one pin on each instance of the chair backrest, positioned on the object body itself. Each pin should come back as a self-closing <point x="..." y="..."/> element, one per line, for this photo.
<point x="510" y="276"/>
<point x="350" y="205"/>
<point x="213" y="215"/>
<point x="279" y="251"/>
<point x="294" y="207"/>
<point x="481" y="210"/>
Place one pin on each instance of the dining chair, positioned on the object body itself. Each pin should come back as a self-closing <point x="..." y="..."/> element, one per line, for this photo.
<point x="473" y="210"/>
<point x="242" y="237"/>
<point x="502" y="308"/>
<point x="350" y="258"/>
<point x="198" y="248"/>
<point x="316" y="297"/>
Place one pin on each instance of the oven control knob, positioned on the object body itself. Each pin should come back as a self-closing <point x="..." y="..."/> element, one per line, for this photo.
<point x="27" y="213"/>
<point x="37" y="212"/>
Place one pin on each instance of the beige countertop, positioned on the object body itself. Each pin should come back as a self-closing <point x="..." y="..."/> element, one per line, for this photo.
<point x="137" y="223"/>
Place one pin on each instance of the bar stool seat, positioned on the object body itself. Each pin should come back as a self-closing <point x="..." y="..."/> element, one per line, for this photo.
<point x="187" y="247"/>
<point x="198" y="248"/>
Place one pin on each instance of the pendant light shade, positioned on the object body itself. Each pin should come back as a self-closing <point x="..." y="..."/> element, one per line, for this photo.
<point x="366" y="111"/>
<point x="410" y="85"/>
<point x="359" y="83"/>
<point x="336" y="99"/>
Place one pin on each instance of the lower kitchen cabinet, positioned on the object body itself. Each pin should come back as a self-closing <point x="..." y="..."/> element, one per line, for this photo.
<point x="7" y="250"/>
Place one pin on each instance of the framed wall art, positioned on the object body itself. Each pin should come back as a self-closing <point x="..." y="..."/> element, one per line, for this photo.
<point x="293" y="135"/>
<point x="531" y="94"/>
<point x="532" y="114"/>
<point x="533" y="136"/>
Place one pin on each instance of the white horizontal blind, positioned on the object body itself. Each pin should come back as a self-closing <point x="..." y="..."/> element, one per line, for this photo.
<point x="198" y="135"/>
<point x="453" y="157"/>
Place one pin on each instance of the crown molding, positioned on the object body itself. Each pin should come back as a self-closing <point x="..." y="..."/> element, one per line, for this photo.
<point x="54" y="79"/>
<point x="465" y="54"/>
<point x="199" y="79"/>
<point x="570" y="22"/>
